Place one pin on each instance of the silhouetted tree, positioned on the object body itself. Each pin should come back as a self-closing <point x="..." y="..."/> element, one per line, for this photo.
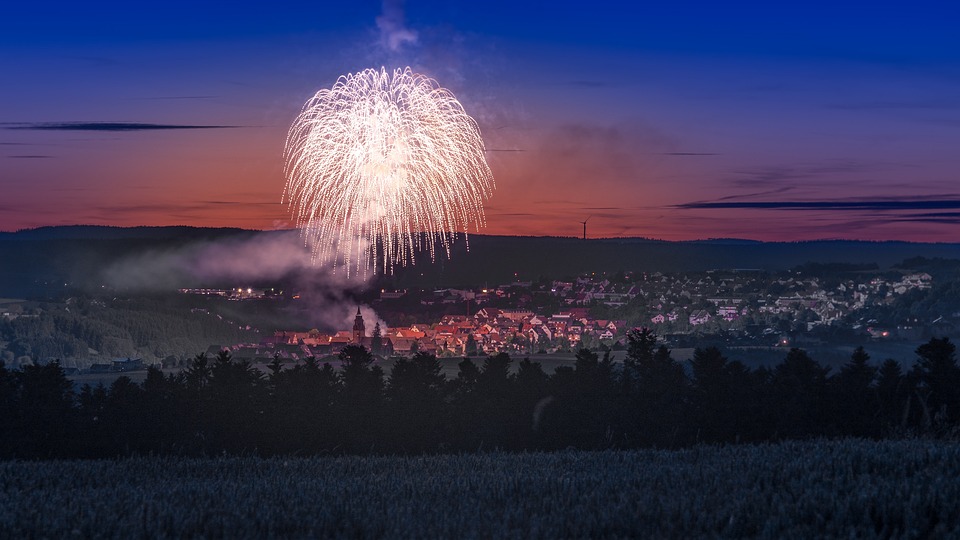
<point x="302" y="415"/>
<point x="939" y="378"/>
<point x="226" y="405"/>
<point x="416" y="392"/>
<point x="855" y="397"/>
<point x="361" y="404"/>
<point x="715" y="407"/>
<point x="275" y="367"/>
<point x="641" y="345"/>
<point x="470" y="348"/>
<point x="198" y="373"/>
<point x="496" y="416"/>
<point x="653" y="387"/>
<point x="376" y="340"/>
<point x="799" y="384"/>
<point x="893" y="396"/>
<point x="164" y="405"/>
<point x="530" y="388"/>
<point x="96" y="440"/>
<point x="124" y="418"/>
<point x="581" y="411"/>
<point x="235" y="404"/>
<point x="46" y="415"/>
<point x="8" y="411"/>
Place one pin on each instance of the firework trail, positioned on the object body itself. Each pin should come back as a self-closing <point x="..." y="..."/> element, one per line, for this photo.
<point x="382" y="166"/>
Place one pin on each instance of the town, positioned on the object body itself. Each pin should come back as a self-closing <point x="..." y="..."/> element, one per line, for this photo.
<point x="550" y="316"/>
<point x="749" y="309"/>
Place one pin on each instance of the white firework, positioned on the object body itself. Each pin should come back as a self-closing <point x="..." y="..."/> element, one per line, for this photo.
<point x="382" y="166"/>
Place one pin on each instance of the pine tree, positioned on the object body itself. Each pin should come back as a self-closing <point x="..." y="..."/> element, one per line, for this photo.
<point x="376" y="341"/>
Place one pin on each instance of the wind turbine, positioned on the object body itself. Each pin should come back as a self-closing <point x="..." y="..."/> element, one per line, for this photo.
<point x="584" y="222"/>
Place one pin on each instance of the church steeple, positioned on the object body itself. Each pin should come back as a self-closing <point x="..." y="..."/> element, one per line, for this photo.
<point x="359" y="330"/>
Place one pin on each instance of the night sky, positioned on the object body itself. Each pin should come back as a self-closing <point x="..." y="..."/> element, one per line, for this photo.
<point x="767" y="120"/>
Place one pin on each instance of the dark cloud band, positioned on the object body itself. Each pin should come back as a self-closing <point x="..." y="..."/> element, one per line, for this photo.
<point x="827" y="205"/>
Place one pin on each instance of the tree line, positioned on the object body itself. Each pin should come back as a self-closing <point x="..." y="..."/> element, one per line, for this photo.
<point x="221" y="405"/>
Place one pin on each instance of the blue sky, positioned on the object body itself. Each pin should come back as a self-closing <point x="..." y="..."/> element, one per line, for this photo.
<point x="670" y="120"/>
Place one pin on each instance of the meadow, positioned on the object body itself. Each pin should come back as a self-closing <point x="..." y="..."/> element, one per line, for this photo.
<point x="847" y="488"/>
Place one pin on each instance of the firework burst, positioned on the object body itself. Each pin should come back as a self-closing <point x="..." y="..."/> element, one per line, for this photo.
<point x="383" y="166"/>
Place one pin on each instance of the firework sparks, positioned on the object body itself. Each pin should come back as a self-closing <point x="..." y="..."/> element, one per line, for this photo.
<point x="382" y="166"/>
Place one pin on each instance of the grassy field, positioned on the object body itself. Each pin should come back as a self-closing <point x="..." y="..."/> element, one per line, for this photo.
<point x="849" y="489"/>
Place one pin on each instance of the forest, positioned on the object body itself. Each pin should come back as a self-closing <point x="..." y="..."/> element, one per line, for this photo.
<point x="221" y="405"/>
<point x="91" y="328"/>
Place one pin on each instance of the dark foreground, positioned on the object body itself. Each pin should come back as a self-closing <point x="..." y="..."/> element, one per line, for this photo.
<point x="843" y="489"/>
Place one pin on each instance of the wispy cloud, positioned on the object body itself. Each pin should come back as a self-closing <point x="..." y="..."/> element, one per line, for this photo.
<point x="783" y="189"/>
<point x="938" y="214"/>
<point x="29" y="156"/>
<point x="103" y="126"/>
<point x="930" y="104"/>
<point x="768" y="176"/>
<point x="876" y="205"/>
<point x="185" y="209"/>
<point x="915" y="219"/>
<point x="177" y="97"/>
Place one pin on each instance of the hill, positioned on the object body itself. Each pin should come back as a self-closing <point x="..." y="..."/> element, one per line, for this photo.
<point x="498" y="259"/>
<point x="42" y="262"/>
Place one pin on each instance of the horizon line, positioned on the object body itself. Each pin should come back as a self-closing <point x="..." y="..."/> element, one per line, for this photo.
<point x="570" y="237"/>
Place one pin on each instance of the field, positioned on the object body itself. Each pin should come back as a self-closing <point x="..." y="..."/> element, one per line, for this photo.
<point x="797" y="490"/>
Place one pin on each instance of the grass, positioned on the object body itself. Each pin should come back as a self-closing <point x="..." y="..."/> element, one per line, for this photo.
<point x="810" y="489"/>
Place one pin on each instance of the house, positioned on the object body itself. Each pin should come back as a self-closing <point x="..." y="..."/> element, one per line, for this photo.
<point x="386" y="347"/>
<point x="728" y="312"/>
<point x="406" y="333"/>
<point x="699" y="317"/>
<point x="403" y="346"/>
<point x="516" y="315"/>
<point x="487" y="314"/>
<point x="127" y="364"/>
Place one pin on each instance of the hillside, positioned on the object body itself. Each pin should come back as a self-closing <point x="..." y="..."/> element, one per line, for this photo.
<point x="43" y="262"/>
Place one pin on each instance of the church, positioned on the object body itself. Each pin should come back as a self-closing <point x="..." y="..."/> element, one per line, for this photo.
<point x="378" y="345"/>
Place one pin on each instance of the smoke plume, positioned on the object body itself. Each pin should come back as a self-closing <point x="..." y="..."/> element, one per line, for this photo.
<point x="394" y="33"/>
<point x="257" y="259"/>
